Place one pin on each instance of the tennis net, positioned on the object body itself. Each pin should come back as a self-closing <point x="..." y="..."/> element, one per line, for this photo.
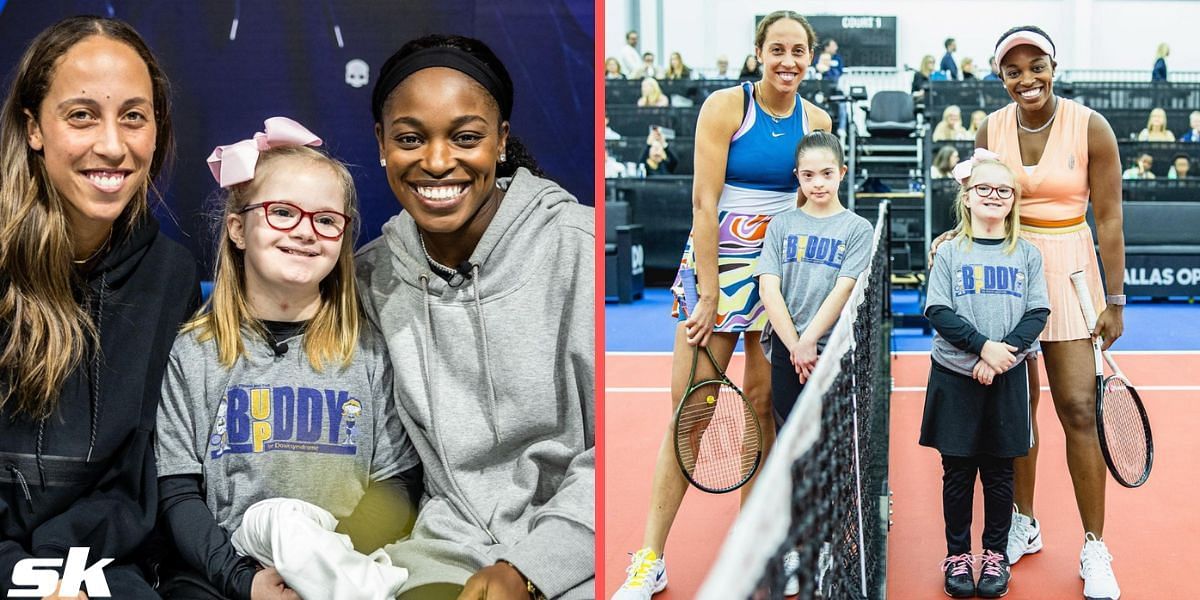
<point x="823" y="491"/>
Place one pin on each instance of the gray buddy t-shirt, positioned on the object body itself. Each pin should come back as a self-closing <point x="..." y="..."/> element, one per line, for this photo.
<point x="272" y="427"/>
<point x="988" y="288"/>
<point x="809" y="254"/>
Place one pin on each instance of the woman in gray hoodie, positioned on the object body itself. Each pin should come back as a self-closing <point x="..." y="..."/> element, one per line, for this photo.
<point x="483" y="288"/>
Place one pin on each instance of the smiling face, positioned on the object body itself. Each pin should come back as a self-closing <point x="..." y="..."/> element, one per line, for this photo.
<point x="277" y="262"/>
<point x="785" y="55"/>
<point x="96" y="130"/>
<point x="442" y="137"/>
<point x="1028" y="74"/>
<point x="819" y="174"/>
<point x="990" y="208"/>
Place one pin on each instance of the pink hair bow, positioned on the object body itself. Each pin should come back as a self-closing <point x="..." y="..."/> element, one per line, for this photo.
<point x="962" y="170"/>
<point x="234" y="163"/>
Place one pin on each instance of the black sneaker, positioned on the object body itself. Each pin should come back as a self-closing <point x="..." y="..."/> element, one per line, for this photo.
<point x="960" y="581"/>
<point x="993" y="579"/>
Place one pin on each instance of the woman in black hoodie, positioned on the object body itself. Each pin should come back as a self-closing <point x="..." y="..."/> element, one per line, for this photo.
<point x="91" y="297"/>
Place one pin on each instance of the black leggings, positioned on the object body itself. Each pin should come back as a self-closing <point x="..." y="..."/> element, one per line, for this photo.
<point x="958" y="496"/>
<point x="785" y="383"/>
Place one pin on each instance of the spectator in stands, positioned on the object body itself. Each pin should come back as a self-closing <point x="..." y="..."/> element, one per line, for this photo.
<point x="1181" y="165"/>
<point x="968" y="69"/>
<point x="1193" y="134"/>
<point x="1160" y="63"/>
<point x="977" y="119"/>
<point x="824" y="67"/>
<point x="995" y="74"/>
<point x="1056" y="195"/>
<point x="676" y="69"/>
<point x="837" y="65"/>
<point x="751" y="70"/>
<point x="949" y="65"/>
<point x="609" y="132"/>
<point x="652" y="94"/>
<point x="1141" y="168"/>
<point x="920" y="81"/>
<point x="612" y="69"/>
<point x="723" y="68"/>
<point x="657" y="155"/>
<point x="744" y="176"/>
<point x="631" y="59"/>
<point x="647" y="68"/>
<point x="613" y="168"/>
<point x="943" y="162"/>
<point x="1156" y="128"/>
<point x="951" y="126"/>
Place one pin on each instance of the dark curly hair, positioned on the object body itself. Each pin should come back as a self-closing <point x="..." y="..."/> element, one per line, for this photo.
<point x="517" y="154"/>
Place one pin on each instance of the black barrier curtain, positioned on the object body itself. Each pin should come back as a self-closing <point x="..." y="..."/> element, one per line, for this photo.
<point x="233" y="63"/>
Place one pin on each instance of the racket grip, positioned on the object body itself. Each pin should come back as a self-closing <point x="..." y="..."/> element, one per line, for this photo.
<point x="1079" y="280"/>
<point x="691" y="297"/>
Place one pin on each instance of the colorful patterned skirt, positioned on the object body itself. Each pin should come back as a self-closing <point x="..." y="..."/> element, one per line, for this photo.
<point x="739" y="243"/>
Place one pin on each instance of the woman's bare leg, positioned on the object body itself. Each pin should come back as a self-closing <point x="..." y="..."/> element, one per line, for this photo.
<point x="666" y="493"/>
<point x="1069" y="366"/>
<point x="757" y="387"/>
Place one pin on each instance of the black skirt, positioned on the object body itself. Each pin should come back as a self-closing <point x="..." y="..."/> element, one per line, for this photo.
<point x="966" y="418"/>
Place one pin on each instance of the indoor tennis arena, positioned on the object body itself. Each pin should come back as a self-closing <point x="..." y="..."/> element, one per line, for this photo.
<point x="847" y="487"/>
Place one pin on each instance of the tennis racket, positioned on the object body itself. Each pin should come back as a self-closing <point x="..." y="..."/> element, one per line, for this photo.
<point x="718" y="442"/>
<point x="1121" y="421"/>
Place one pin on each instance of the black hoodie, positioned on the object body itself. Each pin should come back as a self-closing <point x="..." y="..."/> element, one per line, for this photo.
<point x="86" y="476"/>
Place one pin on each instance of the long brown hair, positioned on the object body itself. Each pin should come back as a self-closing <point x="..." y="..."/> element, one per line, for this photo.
<point x="332" y="334"/>
<point x="44" y="327"/>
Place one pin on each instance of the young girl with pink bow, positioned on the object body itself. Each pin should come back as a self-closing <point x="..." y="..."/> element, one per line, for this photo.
<point x="278" y="388"/>
<point x="987" y="303"/>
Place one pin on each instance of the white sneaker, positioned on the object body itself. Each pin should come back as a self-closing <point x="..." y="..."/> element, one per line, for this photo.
<point x="646" y="576"/>
<point x="791" y="568"/>
<point x="1024" y="537"/>
<point x="1095" y="567"/>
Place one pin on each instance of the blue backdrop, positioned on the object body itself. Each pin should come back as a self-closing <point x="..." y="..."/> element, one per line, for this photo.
<point x="291" y="58"/>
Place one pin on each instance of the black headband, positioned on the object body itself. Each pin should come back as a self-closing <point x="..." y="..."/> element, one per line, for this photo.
<point x="442" y="56"/>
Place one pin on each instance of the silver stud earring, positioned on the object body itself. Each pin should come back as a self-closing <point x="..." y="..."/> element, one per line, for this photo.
<point x="382" y="162"/>
<point x="503" y="157"/>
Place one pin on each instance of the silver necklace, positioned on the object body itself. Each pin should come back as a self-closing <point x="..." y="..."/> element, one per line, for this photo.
<point x="762" y="101"/>
<point x="437" y="265"/>
<point x="1044" y="125"/>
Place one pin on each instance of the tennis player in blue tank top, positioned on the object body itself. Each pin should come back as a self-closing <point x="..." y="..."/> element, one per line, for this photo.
<point x="746" y="139"/>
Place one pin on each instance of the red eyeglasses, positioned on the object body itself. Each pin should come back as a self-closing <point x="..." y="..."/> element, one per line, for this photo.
<point x="285" y="216"/>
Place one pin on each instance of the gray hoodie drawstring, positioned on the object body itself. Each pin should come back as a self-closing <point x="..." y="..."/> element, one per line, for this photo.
<point x="427" y="367"/>
<point x="492" y="409"/>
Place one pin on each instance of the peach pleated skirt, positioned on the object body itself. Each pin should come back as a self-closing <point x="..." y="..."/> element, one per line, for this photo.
<point x="1064" y="251"/>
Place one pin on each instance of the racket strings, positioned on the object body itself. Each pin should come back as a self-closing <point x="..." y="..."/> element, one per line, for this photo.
<point x="717" y="438"/>
<point x="1124" y="434"/>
